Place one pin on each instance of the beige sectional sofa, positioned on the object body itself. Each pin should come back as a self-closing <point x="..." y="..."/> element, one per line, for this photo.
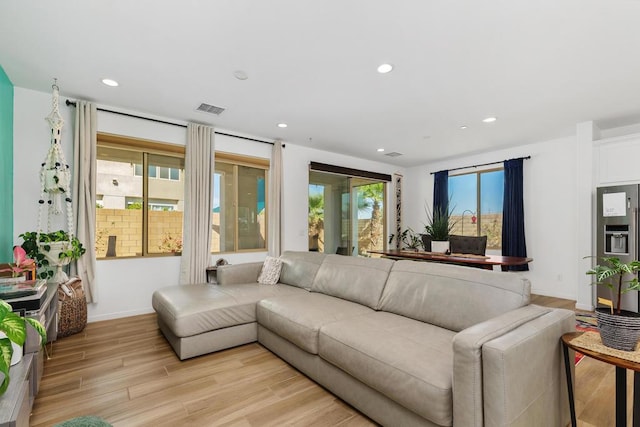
<point x="407" y="343"/>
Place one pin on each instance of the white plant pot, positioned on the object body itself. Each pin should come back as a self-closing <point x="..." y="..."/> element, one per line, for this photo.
<point x="439" y="246"/>
<point x="16" y="357"/>
<point x="53" y="255"/>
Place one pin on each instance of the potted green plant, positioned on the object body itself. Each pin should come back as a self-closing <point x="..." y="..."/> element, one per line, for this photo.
<point x="14" y="333"/>
<point x="619" y="328"/>
<point x="408" y="239"/>
<point x="54" y="249"/>
<point x="439" y="226"/>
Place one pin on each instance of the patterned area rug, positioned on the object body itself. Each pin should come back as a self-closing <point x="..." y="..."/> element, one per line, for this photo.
<point x="585" y="322"/>
<point x="84" y="422"/>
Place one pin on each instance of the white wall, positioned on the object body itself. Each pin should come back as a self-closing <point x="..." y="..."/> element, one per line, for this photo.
<point x="560" y="180"/>
<point x="125" y="285"/>
<point x="549" y="205"/>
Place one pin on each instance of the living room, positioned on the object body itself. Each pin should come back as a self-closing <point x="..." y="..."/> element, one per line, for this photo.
<point x="568" y="160"/>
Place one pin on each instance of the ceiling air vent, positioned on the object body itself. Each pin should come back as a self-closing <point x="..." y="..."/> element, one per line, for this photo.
<point x="394" y="154"/>
<point x="211" y="109"/>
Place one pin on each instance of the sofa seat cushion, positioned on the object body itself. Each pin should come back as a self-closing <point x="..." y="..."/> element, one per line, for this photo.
<point x="194" y="309"/>
<point x="408" y="361"/>
<point x="298" y="318"/>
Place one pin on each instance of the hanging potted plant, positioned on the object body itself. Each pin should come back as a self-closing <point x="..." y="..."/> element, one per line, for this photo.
<point x="55" y="249"/>
<point x="619" y="329"/>
<point x="13" y="333"/>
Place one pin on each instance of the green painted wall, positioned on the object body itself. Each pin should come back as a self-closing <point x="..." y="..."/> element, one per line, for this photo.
<point x="6" y="168"/>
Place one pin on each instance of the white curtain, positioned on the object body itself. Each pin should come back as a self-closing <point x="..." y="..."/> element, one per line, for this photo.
<point x="196" y="236"/>
<point x="275" y="202"/>
<point x="84" y="194"/>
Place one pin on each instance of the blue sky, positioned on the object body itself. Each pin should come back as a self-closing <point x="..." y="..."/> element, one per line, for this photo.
<point x="462" y="192"/>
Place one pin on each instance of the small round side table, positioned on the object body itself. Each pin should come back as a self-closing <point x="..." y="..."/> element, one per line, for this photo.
<point x="589" y="344"/>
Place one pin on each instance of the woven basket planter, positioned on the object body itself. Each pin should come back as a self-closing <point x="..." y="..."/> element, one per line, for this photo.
<point x="621" y="332"/>
<point x="73" y="316"/>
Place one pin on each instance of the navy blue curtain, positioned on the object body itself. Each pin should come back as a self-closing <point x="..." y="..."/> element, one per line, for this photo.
<point x="441" y="192"/>
<point x="513" y="242"/>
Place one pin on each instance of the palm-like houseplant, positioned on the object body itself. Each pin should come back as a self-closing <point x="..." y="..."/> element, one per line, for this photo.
<point x="14" y="328"/>
<point x="612" y="274"/>
<point x="619" y="328"/>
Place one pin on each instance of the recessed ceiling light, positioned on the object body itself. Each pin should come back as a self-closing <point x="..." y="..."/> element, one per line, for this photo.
<point x="380" y="150"/>
<point x="463" y="127"/>
<point x="240" y="75"/>
<point x="282" y="125"/>
<point x="385" y="68"/>
<point x="110" y="82"/>
<point x="490" y="119"/>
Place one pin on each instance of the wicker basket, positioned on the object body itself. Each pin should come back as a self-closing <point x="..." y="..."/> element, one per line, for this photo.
<point x="72" y="308"/>
<point x="621" y="332"/>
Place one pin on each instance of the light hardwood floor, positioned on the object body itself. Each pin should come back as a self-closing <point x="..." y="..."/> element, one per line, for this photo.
<point x="124" y="371"/>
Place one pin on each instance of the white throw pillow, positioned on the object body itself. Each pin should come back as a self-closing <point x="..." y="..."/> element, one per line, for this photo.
<point x="270" y="271"/>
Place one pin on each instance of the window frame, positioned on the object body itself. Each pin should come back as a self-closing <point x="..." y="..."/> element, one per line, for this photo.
<point x="146" y="147"/>
<point x="478" y="174"/>
<point x="237" y="160"/>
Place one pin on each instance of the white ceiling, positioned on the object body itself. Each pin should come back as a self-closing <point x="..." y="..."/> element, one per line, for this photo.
<point x="540" y="66"/>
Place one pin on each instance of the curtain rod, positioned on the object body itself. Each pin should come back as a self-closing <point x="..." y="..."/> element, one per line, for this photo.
<point x="483" y="164"/>
<point x="73" y="103"/>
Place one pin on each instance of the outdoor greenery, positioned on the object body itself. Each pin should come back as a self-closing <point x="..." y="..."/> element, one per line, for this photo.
<point x="316" y="221"/>
<point x="371" y="197"/>
<point x="171" y="243"/>
<point x="15" y="329"/>
<point x="32" y="244"/>
<point x="612" y="275"/>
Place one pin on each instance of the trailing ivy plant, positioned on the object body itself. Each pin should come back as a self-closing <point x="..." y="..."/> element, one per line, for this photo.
<point x="31" y="246"/>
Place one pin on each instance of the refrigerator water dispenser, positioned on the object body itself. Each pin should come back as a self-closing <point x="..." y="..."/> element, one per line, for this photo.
<point x="616" y="239"/>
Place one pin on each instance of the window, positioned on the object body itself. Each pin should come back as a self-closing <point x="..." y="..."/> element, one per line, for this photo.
<point x="346" y="210"/>
<point x="138" y="215"/>
<point x="158" y="172"/>
<point x="475" y="200"/>
<point x="239" y="204"/>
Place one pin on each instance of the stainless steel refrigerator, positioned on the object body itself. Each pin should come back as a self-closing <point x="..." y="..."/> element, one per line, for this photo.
<point x="617" y="232"/>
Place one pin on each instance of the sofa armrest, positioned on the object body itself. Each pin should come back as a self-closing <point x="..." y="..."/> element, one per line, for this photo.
<point x="523" y="373"/>
<point x="236" y="274"/>
<point x="491" y="348"/>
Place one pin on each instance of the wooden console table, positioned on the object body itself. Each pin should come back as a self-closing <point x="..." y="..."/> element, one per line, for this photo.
<point x="589" y="344"/>
<point x="483" y="261"/>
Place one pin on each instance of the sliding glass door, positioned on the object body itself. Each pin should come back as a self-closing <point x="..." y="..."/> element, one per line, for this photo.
<point x="346" y="214"/>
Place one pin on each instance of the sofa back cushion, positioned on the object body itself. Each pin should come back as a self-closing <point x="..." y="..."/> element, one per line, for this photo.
<point x="355" y="279"/>
<point x="452" y="296"/>
<point x="300" y="268"/>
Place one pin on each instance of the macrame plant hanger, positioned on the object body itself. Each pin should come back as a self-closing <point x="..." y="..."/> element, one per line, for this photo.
<point x="55" y="191"/>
